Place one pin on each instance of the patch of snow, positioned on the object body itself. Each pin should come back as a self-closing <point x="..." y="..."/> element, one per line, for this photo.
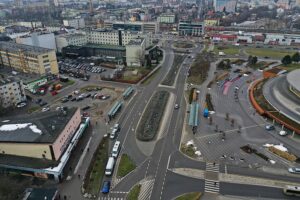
<point x="198" y="153"/>
<point x="13" y="127"/>
<point x="190" y="143"/>
<point x="35" y="129"/>
<point x="272" y="162"/>
<point x="268" y="145"/>
<point x="281" y="148"/>
<point x="5" y="121"/>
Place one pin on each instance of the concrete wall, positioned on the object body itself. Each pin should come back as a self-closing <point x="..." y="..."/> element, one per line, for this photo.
<point x="41" y="40"/>
<point x="27" y="150"/>
<point x="64" y="138"/>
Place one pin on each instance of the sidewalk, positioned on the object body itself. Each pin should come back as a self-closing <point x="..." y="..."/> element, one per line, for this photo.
<point x="72" y="188"/>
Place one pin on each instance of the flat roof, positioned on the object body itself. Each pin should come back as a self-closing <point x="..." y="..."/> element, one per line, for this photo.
<point x="138" y="41"/>
<point x="42" y="127"/>
<point x="42" y="194"/>
<point x="293" y="79"/>
<point x="15" y="48"/>
<point x="105" y="46"/>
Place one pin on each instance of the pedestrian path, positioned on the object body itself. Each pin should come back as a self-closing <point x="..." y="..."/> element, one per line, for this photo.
<point x="146" y="189"/>
<point x="211" y="186"/>
<point x="212" y="167"/>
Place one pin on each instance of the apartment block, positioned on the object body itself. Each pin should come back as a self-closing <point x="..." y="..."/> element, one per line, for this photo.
<point x="11" y="92"/>
<point x="28" y="59"/>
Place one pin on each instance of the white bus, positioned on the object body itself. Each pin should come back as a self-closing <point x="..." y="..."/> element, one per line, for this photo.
<point x="110" y="166"/>
<point x="292" y="190"/>
<point x="116" y="149"/>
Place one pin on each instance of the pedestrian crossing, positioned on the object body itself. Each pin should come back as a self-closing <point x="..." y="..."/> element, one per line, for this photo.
<point x="212" y="186"/>
<point x="212" y="167"/>
<point x="146" y="189"/>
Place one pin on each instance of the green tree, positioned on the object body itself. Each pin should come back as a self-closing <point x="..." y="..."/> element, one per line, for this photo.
<point x="286" y="60"/>
<point x="254" y="60"/>
<point x="296" y="57"/>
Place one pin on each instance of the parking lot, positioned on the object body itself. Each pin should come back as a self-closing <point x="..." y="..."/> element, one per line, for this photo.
<point x="82" y="68"/>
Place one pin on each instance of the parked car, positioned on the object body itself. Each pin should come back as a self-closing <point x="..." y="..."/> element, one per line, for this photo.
<point x="86" y="108"/>
<point x="43" y="103"/>
<point x="294" y="170"/>
<point x="176" y="106"/>
<point x="270" y="127"/>
<point x="20" y="105"/>
<point x="282" y="133"/>
<point x="73" y="99"/>
<point x="45" y="109"/>
<point x="64" y="100"/>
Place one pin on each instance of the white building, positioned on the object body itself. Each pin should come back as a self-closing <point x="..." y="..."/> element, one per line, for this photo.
<point x="135" y="52"/>
<point x="77" y="23"/>
<point x="120" y="38"/>
<point x="76" y="39"/>
<point x="11" y="92"/>
<point x="38" y="39"/>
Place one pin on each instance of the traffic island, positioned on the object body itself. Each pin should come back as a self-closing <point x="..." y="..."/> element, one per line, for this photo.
<point x="151" y="120"/>
<point x="134" y="193"/>
<point x="190" y="196"/>
<point x="126" y="165"/>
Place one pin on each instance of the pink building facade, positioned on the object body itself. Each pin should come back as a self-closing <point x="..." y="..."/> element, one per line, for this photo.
<point x="62" y="141"/>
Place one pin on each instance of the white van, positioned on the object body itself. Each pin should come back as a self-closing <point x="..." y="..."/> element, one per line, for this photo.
<point x="110" y="166"/>
<point x="116" y="149"/>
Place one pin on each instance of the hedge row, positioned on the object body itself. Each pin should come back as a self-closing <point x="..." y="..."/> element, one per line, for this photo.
<point x="150" y="121"/>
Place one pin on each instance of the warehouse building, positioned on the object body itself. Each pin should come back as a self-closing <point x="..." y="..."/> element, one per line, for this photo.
<point x="28" y="59"/>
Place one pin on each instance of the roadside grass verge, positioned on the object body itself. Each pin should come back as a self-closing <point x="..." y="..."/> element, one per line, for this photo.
<point x="94" y="175"/>
<point x="272" y="53"/>
<point x="171" y="76"/>
<point x="126" y="165"/>
<point x="134" y="193"/>
<point x="151" y="119"/>
<point x="150" y="78"/>
<point x="190" y="196"/>
<point x="135" y="73"/>
<point x="188" y="150"/>
<point x="291" y="67"/>
<point x="90" y="88"/>
<point x="228" y="50"/>
<point x="33" y="109"/>
<point x="200" y="67"/>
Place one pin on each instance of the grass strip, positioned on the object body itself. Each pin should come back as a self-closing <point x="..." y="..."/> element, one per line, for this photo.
<point x="126" y="165"/>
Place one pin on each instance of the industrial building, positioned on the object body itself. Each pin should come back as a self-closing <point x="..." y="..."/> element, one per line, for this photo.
<point x="40" y="145"/>
<point x="11" y="92"/>
<point x="28" y="59"/>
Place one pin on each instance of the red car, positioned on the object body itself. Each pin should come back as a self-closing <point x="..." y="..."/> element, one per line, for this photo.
<point x="54" y="93"/>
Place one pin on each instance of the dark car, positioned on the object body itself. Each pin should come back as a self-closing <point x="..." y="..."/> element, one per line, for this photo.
<point x="270" y="127"/>
<point x="73" y="99"/>
<point x="43" y="103"/>
<point x="105" y="187"/>
<point x="64" y="100"/>
<point x="88" y="95"/>
<point x="38" y="101"/>
<point x="86" y="108"/>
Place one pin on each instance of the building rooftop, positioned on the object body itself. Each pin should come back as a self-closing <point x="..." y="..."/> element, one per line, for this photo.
<point x="105" y="46"/>
<point x="43" y="127"/>
<point x="4" y="81"/>
<point x="293" y="79"/>
<point x="41" y="194"/>
<point x="15" y="48"/>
